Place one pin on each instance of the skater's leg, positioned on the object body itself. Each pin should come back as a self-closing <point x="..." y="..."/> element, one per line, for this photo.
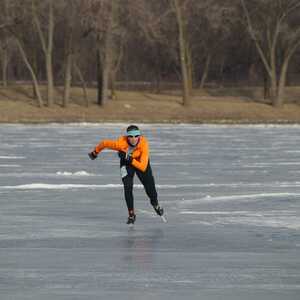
<point x="127" y="179"/>
<point x="148" y="182"/>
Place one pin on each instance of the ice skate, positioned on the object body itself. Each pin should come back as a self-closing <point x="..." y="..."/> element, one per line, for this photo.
<point x="160" y="211"/>
<point x="131" y="220"/>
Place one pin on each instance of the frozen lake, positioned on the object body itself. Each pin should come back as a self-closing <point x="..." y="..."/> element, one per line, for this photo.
<point x="231" y="195"/>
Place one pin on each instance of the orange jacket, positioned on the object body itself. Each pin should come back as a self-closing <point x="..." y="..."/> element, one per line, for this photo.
<point x="140" y="154"/>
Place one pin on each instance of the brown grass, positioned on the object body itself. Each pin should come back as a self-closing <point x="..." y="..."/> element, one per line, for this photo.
<point x="212" y="106"/>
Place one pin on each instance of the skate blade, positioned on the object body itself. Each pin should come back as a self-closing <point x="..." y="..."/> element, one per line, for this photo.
<point x="164" y="219"/>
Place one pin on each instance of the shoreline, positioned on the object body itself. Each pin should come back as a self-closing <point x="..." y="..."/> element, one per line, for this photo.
<point x="133" y="107"/>
<point x="157" y="122"/>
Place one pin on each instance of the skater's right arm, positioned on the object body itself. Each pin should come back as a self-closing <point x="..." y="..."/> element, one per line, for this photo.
<point x="109" y="144"/>
<point x="117" y="145"/>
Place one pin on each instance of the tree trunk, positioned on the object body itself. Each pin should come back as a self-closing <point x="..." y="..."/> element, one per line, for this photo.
<point x="50" y="86"/>
<point x="47" y="48"/>
<point x="4" y="66"/>
<point x="205" y="71"/>
<point x="105" y="79"/>
<point x="273" y="90"/>
<point x="49" y="56"/>
<point x="34" y="78"/>
<point x="5" y="56"/>
<point x="99" y="76"/>
<point x="189" y="69"/>
<point x="117" y="56"/>
<point x="282" y="83"/>
<point x="113" y="86"/>
<point x="35" y="68"/>
<point x="69" y="53"/>
<point x="182" y="53"/>
<point x="222" y="65"/>
<point x="157" y="80"/>
<point x="82" y="83"/>
<point x="68" y="79"/>
<point x="267" y="85"/>
<point x="107" y="63"/>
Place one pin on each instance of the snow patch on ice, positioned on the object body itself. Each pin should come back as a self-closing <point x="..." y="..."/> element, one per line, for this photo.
<point x="46" y="186"/>
<point x="12" y="157"/>
<point x="247" y="213"/>
<point x="274" y="163"/>
<point x="291" y="222"/>
<point x="239" y="197"/>
<point x="9" y="166"/>
<point x="272" y="218"/>
<point x="78" y="173"/>
<point x="39" y="185"/>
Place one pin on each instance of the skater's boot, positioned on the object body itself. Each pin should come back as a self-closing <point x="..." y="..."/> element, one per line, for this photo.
<point x="159" y="210"/>
<point x="131" y="217"/>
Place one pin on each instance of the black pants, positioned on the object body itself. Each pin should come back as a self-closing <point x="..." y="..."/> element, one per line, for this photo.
<point x="146" y="179"/>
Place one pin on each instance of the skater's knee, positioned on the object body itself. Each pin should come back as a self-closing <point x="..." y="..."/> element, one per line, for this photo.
<point x="127" y="181"/>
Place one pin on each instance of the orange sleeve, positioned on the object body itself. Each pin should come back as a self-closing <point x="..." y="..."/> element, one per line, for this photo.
<point x="109" y="144"/>
<point x="142" y="162"/>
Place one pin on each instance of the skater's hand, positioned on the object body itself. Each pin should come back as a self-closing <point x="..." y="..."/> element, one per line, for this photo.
<point x="122" y="155"/>
<point x="125" y="160"/>
<point x="128" y="160"/>
<point x="93" y="155"/>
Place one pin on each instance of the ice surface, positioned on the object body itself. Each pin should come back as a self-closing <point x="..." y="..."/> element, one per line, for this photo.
<point x="231" y="194"/>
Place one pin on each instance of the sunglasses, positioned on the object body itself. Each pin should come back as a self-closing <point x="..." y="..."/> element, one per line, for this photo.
<point x="131" y="136"/>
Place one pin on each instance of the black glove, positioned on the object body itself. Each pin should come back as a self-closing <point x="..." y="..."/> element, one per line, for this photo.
<point x="122" y="155"/>
<point x="93" y="155"/>
<point x="125" y="160"/>
<point x="128" y="160"/>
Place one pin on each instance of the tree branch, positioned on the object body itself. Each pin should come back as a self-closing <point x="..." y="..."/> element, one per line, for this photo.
<point x="51" y="26"/>
<point x="252" y="34"/>
<point x="38" y="26"/>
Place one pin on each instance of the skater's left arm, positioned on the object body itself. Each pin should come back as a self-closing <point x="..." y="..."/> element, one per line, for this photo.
<point x="142" y="162"/>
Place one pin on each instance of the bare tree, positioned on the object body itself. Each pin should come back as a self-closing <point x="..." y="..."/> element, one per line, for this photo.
<point x="5" y="45"/>
<point x="183" y="49"/>
<point x="116" y="60"/>
<point x="18" y="19"/>
<point x="273" y="29"/>
<point x="33" y="75"/>
<point x="99" y="21"/>
<point x="108" y="52"/>
<point x="70" y="16"/>
<point x="189" y="41"/>
<point x="148" y="26"/>
<point x="210" y="27"/>
<point x="47" y="44"/>
<point x="4" y="59"/>
<point x="156" y="21"/>
<point x="83" y="83"/>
